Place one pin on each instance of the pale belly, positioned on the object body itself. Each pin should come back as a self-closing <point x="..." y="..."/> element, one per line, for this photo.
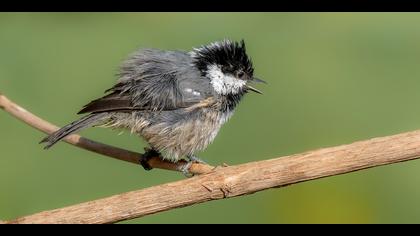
<point x="176" y="140"/>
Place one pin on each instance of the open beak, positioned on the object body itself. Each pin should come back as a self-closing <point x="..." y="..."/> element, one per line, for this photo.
<point x="255" y="79"/>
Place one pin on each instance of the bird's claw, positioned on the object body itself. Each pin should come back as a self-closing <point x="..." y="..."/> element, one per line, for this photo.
<point x="185" y="169"/>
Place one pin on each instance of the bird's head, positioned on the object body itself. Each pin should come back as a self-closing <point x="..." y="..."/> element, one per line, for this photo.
<point x="227" y="66"/>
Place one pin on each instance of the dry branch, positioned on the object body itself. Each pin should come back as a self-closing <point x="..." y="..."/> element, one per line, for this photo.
<point x="87" y="144"/>
<point x="238" y="180"/>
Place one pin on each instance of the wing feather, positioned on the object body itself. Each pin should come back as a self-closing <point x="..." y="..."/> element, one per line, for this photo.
<point x="108" y="103"/>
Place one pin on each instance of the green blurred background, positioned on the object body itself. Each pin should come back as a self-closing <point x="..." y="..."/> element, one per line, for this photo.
<point x="334" y="78"/>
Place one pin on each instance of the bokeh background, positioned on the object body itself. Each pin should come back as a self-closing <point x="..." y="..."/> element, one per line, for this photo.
<point x="333" y="78"/>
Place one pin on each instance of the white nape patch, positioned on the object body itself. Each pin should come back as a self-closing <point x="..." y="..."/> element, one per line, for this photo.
<point x="222" y="83"/>
<point x="193" y="54"/>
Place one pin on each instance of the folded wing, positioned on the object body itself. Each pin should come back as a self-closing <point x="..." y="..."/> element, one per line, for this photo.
<point x="154" y="80"/>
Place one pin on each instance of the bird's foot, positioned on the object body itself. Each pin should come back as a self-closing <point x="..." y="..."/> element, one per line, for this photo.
<point x="144" y="159"/>
<point x="185" y="169"/>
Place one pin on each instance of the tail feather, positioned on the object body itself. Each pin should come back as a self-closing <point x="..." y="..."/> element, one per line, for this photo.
<point x="82" y="123"/>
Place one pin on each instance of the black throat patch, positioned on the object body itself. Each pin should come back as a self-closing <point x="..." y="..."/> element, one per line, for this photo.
<point x="230" y="101"/>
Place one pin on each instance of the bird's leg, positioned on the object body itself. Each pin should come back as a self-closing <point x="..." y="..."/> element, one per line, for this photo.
<point x="193" y="158"/>
<point x="144" y="159"/>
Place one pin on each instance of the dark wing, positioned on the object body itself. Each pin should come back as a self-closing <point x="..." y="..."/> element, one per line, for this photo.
<point x="154" y="80"/>
<point x="111" y="102"/>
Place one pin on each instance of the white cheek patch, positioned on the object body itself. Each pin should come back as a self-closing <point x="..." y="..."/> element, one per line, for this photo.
<point x="222" y="83"/>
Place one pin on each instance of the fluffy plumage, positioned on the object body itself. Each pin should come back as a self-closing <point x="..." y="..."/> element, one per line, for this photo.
<point x="177" y="101"/>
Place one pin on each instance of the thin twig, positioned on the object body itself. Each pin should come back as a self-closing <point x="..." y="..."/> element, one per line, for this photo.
<point x="87" y="144"/>
<point x="226" y="182"/>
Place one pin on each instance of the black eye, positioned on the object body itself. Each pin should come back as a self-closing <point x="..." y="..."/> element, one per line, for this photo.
<point x="240" y="74"/>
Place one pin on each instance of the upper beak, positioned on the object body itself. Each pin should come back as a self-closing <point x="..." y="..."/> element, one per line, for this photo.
<point x="255" y="79"/>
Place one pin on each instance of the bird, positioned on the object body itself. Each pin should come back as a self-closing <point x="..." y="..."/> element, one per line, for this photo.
<point x="177" y="101"/>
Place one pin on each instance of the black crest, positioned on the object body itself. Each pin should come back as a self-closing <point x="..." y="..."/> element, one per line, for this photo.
<point x="231" y="56"/>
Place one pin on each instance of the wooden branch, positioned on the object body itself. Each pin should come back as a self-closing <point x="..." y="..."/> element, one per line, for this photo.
<point x="221" y="182"/>
<point x="226" y="182"/>
<point x="87" y="144"/>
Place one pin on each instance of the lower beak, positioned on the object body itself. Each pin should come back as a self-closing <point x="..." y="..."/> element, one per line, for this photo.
<point x="248" y="87"/>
